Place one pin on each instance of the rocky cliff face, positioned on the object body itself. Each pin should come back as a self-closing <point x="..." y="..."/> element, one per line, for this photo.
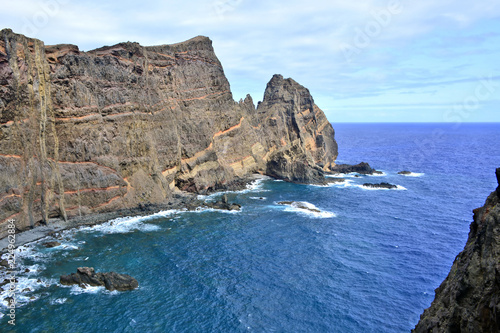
<point x="90" y="132"/>
<point x="469" y="298"/>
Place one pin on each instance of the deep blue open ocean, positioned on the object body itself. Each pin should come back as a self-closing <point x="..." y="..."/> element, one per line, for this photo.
<point x="368" y="262"/>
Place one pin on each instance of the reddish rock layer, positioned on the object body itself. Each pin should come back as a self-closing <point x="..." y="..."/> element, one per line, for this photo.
<point x="119" y="126"/>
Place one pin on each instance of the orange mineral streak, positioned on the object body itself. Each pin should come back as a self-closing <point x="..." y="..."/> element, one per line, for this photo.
<point x="169" y="171"/>
<point x="322" y="126"/>
<point x="163" y="54"/>
<point x="241" y="160"/>
<point x="10" y="156"/>
<point x="108" y="202"/>
<point x="70" y="119"/>
<point x="197" y="155"/>
<point x="128" y="184"/>
<point x="10" y="217"/>
<point x="119" y="104"/>
<point x="11" y="122"/>
<point x="229" y="129"/>
<point x="10" y="196"/>
<point x="203" y="97"/>
<point x="97" y="189"/>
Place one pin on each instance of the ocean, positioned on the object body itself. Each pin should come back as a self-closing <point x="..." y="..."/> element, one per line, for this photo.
<point x="368" y="260"/>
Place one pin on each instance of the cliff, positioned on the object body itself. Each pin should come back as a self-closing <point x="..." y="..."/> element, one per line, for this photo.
<point x="469" y="298"/>
<point x="120" y="126"/>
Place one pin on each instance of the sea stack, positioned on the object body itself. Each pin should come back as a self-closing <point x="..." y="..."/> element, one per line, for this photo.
<point x="469" y="298"/>
<point x="119" y="126"/>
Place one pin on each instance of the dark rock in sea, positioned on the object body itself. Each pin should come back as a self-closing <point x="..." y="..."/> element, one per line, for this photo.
<point x="405" y="172"/>
<point x="4" y="263"/>
<point x="10" y="300"/>
<point x="132" y="126"/>
<point x="380" y="185"/>
<point x="361" y="168"/>
<point x="51" y="244"/>
<point x="335" y="180"/>
<point x="468" y="300"/>
<point x="222" y="204"/>
<point x="25" y="290"/>
<point x="86" y="276"/>
<point x="300" y="205"/>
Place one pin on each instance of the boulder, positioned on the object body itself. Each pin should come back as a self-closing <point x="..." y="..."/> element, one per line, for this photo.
<point x="86" y="276"/>
<point x="380" y="185"/>
<point x="51" y="244"/>
<point x="361" y="168"/>
<point x="222" y="204"/>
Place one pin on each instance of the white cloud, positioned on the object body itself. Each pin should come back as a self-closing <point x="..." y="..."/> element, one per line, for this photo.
<point x="424" y="41"/>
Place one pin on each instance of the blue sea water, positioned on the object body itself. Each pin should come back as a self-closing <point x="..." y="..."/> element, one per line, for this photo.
<point x="369" y="262"/>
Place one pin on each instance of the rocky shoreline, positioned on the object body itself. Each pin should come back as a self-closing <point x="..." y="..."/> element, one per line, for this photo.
<point x="179" y="201"/>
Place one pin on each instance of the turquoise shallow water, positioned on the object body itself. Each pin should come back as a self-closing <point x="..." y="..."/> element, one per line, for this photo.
<point x="369" y="262"/>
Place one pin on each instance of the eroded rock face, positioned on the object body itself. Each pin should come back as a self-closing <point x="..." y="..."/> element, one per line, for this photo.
<point x="86" y="276"/>
<point x="469" y="298"/>
<point x="119" y="126"/>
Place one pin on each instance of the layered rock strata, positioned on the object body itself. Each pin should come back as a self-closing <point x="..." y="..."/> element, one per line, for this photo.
<point x="469" y="298"/>
<point x="120" y="126"/>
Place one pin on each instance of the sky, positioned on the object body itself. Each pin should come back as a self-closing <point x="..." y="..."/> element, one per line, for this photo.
<point x="363" y="61"/>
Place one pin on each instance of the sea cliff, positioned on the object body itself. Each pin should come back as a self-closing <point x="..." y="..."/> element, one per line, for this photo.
<point x="468" y="300"/>
<point x="114" y="128"/>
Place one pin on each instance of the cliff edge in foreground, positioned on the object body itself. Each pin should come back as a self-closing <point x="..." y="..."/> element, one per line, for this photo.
<point x="126" y="125"/>
<point x="469" y="298"/>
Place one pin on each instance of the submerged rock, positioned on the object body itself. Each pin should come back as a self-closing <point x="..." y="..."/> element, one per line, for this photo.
<point x="300" y="205"/>
<point x="468" y="300"/>
<point x="335" y="180"/>
<point x="51" y="244"/>
<point x="361" y="168"/>
<point x="380" y="185"/>
<point x="86" y="276"/>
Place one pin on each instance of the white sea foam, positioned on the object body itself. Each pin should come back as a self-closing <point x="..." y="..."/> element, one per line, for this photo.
<point x="413" y="174"/>
<point x="344" y="175"/>
<point x="382" y="174"/>
<point x="206" y="209"/>
<point x="26" y="289"/>
<point x="258" y="198"/>
<point x="346" y="183"/>
<point x="128" y="224"/>
<point x="254" y="186"/>
<point x="58" y="301"/>
<point x="309" y="210"/>
<point x="77" y="290"/>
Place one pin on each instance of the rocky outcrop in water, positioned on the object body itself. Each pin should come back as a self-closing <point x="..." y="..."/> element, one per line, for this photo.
<point x="361" y="168"/>
<point x="300" y="205"/>
<point x="86" y="276"/>
<point x="469" y="298"/>
<point x="381" y="185"/>
<point x="109" y="129"/>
